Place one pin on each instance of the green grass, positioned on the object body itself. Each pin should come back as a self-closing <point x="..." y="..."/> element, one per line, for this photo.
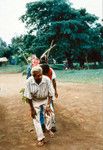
<point x="80" y="76"/>
<point x="10" y="69"/>
<point x="57" y="66"/>
<point x="74" y="76"/>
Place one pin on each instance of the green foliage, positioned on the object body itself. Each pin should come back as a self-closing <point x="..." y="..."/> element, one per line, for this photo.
<point x="76" y="33"/>
<point x="4" y="49"/>
<point x="71" y="30"/>
<point x="24" y="99"/>
<point x="21" y="48"/>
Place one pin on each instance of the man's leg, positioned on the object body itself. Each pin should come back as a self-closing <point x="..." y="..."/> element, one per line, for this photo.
<point x="37" y="125"/>
<point x="48" y="119"/>
<point x="48" y="122"/>
<point x="53" y="129"/>
<point x="42" y="119"/>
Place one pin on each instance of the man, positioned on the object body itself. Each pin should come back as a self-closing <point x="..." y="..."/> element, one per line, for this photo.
<point x="28" y="71"/>
<point x="39" y="92"/>
<point x="33" y="61"/>
<point x="51" y="74"/>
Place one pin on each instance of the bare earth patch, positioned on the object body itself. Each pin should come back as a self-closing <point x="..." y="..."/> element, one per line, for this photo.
<point x="79" y="116"/>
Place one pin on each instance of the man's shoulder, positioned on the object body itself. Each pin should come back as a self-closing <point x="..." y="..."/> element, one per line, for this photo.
<point x="30" y="79"/>
<point x="45" y="78"/>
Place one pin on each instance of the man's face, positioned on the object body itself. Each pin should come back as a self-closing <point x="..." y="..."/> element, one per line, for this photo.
<point x="37" y="76"/>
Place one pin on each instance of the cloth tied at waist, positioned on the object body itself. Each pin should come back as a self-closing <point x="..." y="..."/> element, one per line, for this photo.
<point x="35" y="98"/>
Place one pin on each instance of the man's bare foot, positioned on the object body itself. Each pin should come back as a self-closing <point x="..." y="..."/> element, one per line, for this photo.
<point x="51" y="134"/>
<point x="41" y="143"/>
<point x="53" y="129"/>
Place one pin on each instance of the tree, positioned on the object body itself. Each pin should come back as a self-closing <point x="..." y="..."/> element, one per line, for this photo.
<point x="21" y="47"/>
<point x="4" y="50"/>
<point x="70" y="29"/>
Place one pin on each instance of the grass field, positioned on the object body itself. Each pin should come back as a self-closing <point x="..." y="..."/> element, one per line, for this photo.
<point x="74" y="76"/>
<point x="10" y="69"/>
<point x="80" y="76"/>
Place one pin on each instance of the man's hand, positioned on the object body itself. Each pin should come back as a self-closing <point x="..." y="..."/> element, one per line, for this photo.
<point x="48" y="110"/>
<point x="33" y="113"/>
<point x="56" y="94"/>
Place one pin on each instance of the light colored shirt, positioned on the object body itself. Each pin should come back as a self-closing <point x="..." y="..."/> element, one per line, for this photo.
<point x="53" y="74"/>
<point x="40" y="91"/>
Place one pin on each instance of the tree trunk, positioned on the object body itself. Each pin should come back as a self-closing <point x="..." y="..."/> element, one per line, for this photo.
<point x="86" y="58"/>
<point x="69" y="63"/>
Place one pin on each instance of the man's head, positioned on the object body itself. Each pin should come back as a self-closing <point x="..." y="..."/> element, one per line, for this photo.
<point x="45" y="68"/>
<point x="37" y="73"/>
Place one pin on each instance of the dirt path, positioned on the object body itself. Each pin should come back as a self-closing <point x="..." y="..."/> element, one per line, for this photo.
<point x="79" y="115"/>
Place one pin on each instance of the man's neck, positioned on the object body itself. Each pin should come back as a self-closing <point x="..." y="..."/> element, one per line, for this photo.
<point x="38" y="81"/>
